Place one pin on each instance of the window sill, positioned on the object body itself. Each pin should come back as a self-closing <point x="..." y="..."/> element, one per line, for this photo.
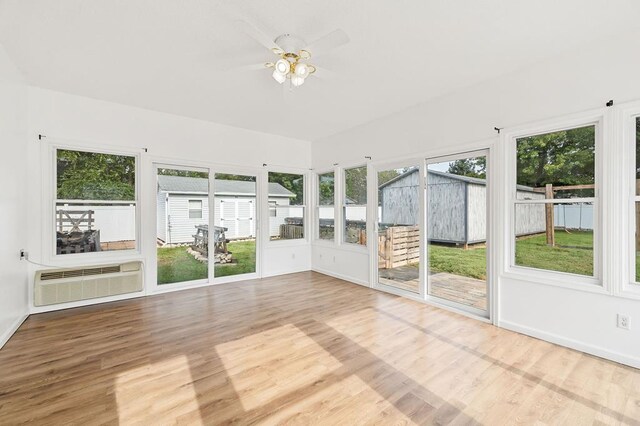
<point x="96" y="258"/>
<point x="567" y="281"/>
<point x="287" y="243"/>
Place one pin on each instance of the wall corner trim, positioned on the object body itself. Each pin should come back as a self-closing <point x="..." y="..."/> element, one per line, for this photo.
<point x="4" y="338"/>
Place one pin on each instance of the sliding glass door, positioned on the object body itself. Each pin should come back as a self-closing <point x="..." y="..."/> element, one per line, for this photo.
<point x="399" y="256"/>
<point x="182" y="219"/>
<point x="234" y="234"/>
<point x="457" y="231"/>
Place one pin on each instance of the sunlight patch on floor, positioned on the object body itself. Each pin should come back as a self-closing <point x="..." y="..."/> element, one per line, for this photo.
<point x="170" y="384"/>
<point x="274" y="364"/>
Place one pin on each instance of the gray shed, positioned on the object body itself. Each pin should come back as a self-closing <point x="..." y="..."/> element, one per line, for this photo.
<point x="183" y="204"/>
<point x="457" y="206"/>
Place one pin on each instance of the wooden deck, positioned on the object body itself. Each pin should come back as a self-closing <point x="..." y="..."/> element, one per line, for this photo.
<point x="297" y="349"/>
<point x="456" y="288"/>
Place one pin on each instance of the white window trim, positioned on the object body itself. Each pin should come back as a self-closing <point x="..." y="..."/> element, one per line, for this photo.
<point x="307" y="213"/>
<point x="343" y="212"/>
<point x="50" y="175"/>
<point x="316" y="198"/>
<point x="628" y="287"/>
<point x="201" y="209"/>
<point x="508" y="140"/>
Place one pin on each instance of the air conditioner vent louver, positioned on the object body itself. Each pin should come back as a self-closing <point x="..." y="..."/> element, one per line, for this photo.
<point x="72" y="284"/>
<point x="56" y="275"/>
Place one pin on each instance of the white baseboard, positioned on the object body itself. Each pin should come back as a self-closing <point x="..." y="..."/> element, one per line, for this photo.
<point x="4" y="338"/>
<point x="341" y="277"/>
<point x="284" y="272"/>
<point x="573" y="344"/>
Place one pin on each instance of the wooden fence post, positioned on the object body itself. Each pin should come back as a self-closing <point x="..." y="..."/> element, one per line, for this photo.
<point x="551" y="237"/>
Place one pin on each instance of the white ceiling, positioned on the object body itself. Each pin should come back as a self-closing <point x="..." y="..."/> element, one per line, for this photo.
<point x="170" y="55"/>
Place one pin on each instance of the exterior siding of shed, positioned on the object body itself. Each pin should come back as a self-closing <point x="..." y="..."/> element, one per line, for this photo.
<point x="180" y="227"/>
<point x="161" y="222"/>
<point x="476" y="213"/>
<point x="456" y="208"/>
<point x="447" y="199"/>
<point x="399" y="201"/>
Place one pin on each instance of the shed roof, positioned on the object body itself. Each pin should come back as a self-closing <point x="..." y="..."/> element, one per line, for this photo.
<point x="476" y="181"/>
<point x="182" y="184"/>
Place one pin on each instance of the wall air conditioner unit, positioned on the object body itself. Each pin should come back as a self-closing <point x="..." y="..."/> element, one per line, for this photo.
<point x="54" y="286"/>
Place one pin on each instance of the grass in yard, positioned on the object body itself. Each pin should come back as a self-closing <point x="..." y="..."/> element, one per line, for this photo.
<point x="176" y="265"/>
<point x="573" y="252"/>
<point x="467" y="263"/>
<point x="244" y="257"/>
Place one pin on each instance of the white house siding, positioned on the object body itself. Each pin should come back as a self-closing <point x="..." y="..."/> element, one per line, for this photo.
<point x="180" y="227"/>
<point x="161" y="223"/>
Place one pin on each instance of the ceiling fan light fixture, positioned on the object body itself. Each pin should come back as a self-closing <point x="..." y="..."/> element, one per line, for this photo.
<point x="297" y="80"/>
<point x="280" y="78"/>
<point x="283" y="66"/>
<point x="302" y="70"/>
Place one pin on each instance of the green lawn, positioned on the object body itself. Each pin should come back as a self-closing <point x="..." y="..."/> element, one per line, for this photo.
<point x="468" y="263"/>
<point x="176" y="265"/>
<point x="244" y="257"/>
<point x="573" y="252"/>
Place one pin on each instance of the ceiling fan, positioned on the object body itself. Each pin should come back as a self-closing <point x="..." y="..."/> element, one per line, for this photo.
<point x="293" y="53"/>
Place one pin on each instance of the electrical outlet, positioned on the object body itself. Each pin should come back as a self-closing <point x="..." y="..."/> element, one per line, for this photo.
<point x="24" y="255"/>
<point x="624" y="322"/>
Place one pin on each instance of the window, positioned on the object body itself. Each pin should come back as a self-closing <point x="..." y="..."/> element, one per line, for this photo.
<point x="326" y="208"/>
<point x="355" y="205"/>
<point x="95" y="206"/>
<point x="286" y="195"/>
<point x="554" y="208"/>
<point x="195" y="209"/>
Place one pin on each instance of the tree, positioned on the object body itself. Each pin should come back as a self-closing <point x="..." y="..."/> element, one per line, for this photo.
<point x="470" y="167"/>
<point x="292" y="182"/>
<point x="94" y="176"/>
<point x="183" y="173"/>
<point x="326" y="183"/>
<point x="561" y="158"/>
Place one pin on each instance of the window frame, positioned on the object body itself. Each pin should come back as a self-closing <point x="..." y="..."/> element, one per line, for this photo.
<point x="49" y="240"/>
<point x="343" y="207"/>
<point x="595" y="282"/>
<point x="305" y="197"/>
<point x="201" y="209"/>
<point x="629" y="113"/>
<point x="316" y="232"/>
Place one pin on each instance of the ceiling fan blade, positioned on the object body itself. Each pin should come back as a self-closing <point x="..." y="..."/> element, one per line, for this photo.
<point x="327" y="43"/>
<point x="323" y="73"/>
<point x="258" y="35"/>
<point x="252" y="67"/>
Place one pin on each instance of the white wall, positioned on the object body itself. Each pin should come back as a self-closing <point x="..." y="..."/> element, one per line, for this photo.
<point x="13" y="174"/>
<point x="169" y="139"/>
<point x="578" y="81"/>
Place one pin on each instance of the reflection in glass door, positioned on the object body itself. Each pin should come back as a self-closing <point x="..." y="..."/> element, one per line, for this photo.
<point x="234" y="232"/>
<point x="457" y="231"/>
<point x="399" y="200"/>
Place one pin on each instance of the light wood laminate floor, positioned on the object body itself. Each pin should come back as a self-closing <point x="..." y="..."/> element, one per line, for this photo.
<point x="298" y="349"/>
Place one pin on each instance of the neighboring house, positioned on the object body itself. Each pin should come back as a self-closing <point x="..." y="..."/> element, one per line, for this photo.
<point x="457" y="207"/>
<point x="183" y="203"/>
